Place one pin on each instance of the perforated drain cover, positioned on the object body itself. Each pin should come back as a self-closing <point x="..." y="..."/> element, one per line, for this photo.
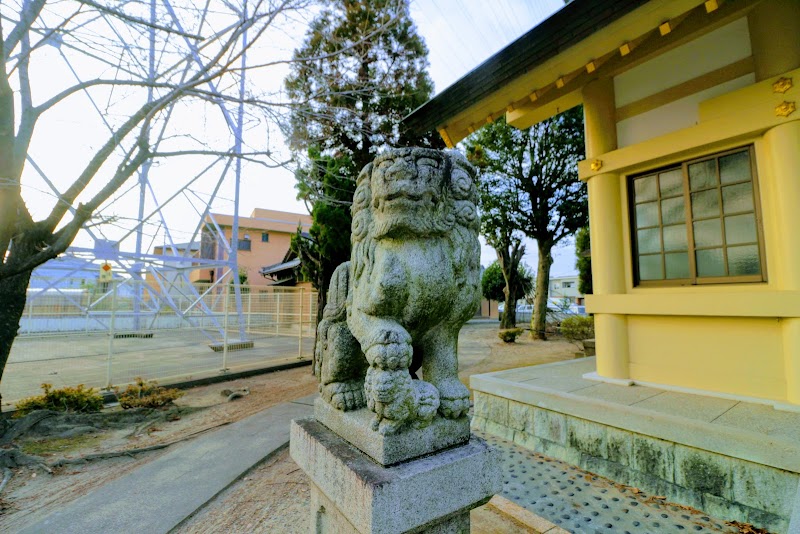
<point x="581" y="502"/>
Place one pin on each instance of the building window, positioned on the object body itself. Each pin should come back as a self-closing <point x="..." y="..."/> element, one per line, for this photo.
<point x="567" y="284"/>
<point x="698" y="222"/>
<point x="264" y="237"/>
<point x="244" y="244"/>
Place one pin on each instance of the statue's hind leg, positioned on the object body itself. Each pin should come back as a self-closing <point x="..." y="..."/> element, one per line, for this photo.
<point x="440" y="368"/>
<point x="341" y="365"/>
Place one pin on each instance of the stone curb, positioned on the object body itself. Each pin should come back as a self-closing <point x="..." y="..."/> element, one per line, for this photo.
<point x="525" y="518"/>
<point x="109" y="397"/>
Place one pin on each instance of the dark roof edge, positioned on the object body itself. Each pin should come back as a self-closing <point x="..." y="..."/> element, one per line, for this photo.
<point x="566" y="27"/>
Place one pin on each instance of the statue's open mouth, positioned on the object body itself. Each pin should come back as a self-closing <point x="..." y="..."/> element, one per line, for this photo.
<point x="403" y="194"/>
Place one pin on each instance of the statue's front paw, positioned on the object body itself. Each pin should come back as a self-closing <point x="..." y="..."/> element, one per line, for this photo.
<point x="345" y="396"/>
<point x="453" y="398"/>
<point x="390" y="356"/>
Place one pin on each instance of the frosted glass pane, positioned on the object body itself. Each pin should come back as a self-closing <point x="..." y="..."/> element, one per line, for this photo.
<point x="671" y="183"/>
<point x="645" y="188"/>
<point x="675" y="237"/>
<point x="672" y="211"/>
<point x="707" y="233"/>
<point x="649" y="240"/>
<point x="677" y="265"/>
<point x="735" y="167"/>
<point x="710" y="262"/>
<point x="737" y="197"/>
<point x="650" y="268"/>
<point x="647" y="214"/>
<point x="705" y="204"/>
<point x="743" y="260"/>
<point x="740" y="229"/>
<point x="703" y="174"/>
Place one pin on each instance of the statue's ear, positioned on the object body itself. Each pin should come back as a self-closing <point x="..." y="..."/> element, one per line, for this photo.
<point x="364" y="174"/>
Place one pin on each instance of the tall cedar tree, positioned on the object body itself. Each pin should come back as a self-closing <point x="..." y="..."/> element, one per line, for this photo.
<point x="583" y="263"/>
<point x="361" y="69"/>
<point x="537" y="170"/>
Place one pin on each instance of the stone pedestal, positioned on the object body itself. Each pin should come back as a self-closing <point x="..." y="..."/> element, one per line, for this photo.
<point x="412" y="442"/>
<point x="351" y="493"/>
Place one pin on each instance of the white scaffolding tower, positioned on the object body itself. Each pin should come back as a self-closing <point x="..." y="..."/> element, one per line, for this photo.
<point x="167" y="273"/>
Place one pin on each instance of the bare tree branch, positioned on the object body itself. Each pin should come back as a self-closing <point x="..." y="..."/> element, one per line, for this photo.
<point x="135" y="20"/>
<point x="26" y="20"/>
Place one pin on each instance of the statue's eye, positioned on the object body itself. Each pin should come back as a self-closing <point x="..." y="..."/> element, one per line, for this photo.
<point x="429" y="162"/>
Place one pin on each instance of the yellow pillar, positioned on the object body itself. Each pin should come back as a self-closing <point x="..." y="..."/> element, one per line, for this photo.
<point x="782" y="150"/>
<point x="775" y="37"/>
<point x="605" y="225"/>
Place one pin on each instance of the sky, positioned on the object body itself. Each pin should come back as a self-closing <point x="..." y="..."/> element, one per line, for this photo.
<point x="460" y="35"/>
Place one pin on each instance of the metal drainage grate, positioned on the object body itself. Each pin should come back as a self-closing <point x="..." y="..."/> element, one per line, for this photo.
<point x="582" y="502"/>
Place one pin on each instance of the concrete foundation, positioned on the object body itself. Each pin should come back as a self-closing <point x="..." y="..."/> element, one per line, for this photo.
<point x="353" y="494"/>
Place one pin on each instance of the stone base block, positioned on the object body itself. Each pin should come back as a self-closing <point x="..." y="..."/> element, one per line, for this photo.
<point x="432" y="494"/>
<point x="388" y="450"/>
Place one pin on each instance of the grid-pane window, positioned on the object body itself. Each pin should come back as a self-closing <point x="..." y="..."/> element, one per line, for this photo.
<point x="244" y="244"/>
<point x="264" y="237"/>
<point x="698" y="222"/>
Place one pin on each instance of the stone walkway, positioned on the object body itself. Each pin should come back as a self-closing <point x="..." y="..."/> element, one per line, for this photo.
<point x="583" y="503"/>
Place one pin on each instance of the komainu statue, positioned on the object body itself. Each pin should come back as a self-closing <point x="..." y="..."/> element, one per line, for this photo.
<point x="396" y="308"/>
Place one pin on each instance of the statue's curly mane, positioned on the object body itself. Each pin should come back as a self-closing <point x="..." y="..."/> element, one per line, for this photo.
<point x="454" y="216"/>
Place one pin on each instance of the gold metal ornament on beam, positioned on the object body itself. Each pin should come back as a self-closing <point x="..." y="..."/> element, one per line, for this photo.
<point x="596" y="165"/>
<point x="784" y="109"/>
<point x="782" y="85"/>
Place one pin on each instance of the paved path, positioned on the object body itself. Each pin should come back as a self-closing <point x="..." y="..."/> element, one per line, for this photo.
<point x="583" y="503"/>
<point x="157" y="496"/>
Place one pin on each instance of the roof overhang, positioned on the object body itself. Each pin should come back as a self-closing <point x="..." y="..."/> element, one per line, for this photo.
<point x="543" y="72"/>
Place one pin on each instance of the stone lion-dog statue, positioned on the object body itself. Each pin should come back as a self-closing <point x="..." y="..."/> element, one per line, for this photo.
<point x="411" y="283"/>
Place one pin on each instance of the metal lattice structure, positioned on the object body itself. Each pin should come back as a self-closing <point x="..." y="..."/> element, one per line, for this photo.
<point x="154" y="281"/>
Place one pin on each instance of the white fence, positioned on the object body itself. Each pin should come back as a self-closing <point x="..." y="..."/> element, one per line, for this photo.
<point x="108" y="336"/>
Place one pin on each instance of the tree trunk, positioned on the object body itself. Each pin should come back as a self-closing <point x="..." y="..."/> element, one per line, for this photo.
<point x="509" y="319"/>
<point x="542" y="285"/>
<point x="13" y="294"/>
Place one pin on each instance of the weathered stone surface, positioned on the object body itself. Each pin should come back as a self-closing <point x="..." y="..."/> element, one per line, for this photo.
<point x="551" y="426"/>
<point x="587" y="437"/>
<point x="411" y="442"/>
<point x="412" y="281"/>
<point x="408" y="497"/>
<point x="765" y="488"/>
<point x="520" y="416"/>
<point x="619" y="446"/>
<point x="499" y="430"/>
<point x="497" y="410"/>
<point x="703" y="472"/>
<point x="654" y="457"/>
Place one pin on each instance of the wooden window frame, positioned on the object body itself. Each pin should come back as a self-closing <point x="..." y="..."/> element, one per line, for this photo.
<point x="265" y="237"/>
<point x="689" y="224"/>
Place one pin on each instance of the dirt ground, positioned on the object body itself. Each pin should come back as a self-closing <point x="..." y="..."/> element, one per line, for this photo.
<point x="274" y="496"/>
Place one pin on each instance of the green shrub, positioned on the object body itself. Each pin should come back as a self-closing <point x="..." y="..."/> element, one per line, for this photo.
<point x="146" y="395"/>
<point x="576" y="328"/>
<point x="67" y="399"/>
<point x="509" y="335"/>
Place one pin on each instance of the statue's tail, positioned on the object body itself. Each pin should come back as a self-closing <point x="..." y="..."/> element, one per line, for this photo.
<point x="335" y="311"/>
